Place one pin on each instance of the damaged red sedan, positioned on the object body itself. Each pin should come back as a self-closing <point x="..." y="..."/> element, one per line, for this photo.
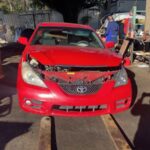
<point x="65" y="70"/>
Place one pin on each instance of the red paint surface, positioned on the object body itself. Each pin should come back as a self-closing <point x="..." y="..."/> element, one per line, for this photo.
<point x="22" y="40"/>
<point x="78" y="56"/>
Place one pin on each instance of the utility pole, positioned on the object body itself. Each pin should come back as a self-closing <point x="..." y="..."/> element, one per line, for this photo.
<point x="147" y="20"/>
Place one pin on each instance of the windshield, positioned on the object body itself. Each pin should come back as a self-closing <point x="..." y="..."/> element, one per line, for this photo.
<point x="66" y="37"/>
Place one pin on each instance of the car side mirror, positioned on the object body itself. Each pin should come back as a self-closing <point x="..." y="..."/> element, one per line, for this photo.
<point x="25" y="36"/>
<point x="22" y="40"/>
<point x="126" y="61"/>
<point x="110" y="45"/>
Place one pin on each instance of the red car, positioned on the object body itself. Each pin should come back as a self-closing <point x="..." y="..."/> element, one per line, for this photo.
<point x="65" y="70"/>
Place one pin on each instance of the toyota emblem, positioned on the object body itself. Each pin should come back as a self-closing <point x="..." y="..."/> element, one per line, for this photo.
<point x="81" y="89"/>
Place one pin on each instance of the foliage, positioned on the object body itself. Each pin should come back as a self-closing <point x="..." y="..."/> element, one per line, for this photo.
<point x="25" y="5"/>
<point x="20" y="5"/>
<point x="4" y="7"/>
<point x="37" y="4"/>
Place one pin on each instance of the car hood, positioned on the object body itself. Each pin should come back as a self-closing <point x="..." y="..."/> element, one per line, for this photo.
<point x="74" y="56"/>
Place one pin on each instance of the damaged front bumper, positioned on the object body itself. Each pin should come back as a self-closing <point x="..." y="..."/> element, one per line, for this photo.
<point x="56" y="100"/>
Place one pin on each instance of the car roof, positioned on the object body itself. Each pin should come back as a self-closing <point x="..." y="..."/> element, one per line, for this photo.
<point x="62" y="24"/>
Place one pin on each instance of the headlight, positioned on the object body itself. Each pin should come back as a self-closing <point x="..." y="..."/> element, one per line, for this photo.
<point x="30" y="77"/>
<point x="121" y="78"/>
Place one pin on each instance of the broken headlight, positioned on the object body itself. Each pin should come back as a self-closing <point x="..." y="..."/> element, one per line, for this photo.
<point x="30" y="76"/>
<point x="121" y="77"/>
<point x="34" y="62"/>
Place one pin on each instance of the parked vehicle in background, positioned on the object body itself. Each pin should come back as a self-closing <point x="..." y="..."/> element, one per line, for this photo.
<point x="65" y="70"/>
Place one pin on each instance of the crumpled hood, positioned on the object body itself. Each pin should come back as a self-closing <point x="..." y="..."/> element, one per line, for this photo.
<point x="74" y="56"/>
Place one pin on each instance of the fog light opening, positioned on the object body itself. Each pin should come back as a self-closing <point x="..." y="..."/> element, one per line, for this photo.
<point x="121" y="103"/>
<point x="28" y="102"/>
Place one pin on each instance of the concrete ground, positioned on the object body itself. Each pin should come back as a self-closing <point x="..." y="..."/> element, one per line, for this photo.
<point x="20" y="130"/>
<point x="135" y="122"/>
<point x="82" y="134"/>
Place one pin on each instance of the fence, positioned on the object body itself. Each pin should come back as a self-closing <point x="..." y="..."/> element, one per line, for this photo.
<point x="27" y="20"/>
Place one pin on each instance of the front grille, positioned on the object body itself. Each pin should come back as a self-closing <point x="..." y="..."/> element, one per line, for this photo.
<point x="80" y="89"/>
<point x="90" y="108"/>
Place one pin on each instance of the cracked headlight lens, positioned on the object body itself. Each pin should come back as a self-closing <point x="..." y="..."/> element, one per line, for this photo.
<point x="121" y="77"/>
<point x="30" y="76"/>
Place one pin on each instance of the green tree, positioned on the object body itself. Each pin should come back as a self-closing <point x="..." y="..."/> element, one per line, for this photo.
<point x="20" y="5"/>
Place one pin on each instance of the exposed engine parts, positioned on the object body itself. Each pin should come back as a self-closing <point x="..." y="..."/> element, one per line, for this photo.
<point x="74" y="75"/>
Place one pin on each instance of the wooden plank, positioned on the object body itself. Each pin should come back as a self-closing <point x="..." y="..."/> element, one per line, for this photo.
<point x="141" y="53"/>
<point x="117" y="137"/>
<point x="124" y="47"/>
<point x="45" y="134"/>
<point x="147" y="19"/>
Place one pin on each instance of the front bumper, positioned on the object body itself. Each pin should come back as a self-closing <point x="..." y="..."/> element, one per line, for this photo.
<point x="55" y="102"/>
